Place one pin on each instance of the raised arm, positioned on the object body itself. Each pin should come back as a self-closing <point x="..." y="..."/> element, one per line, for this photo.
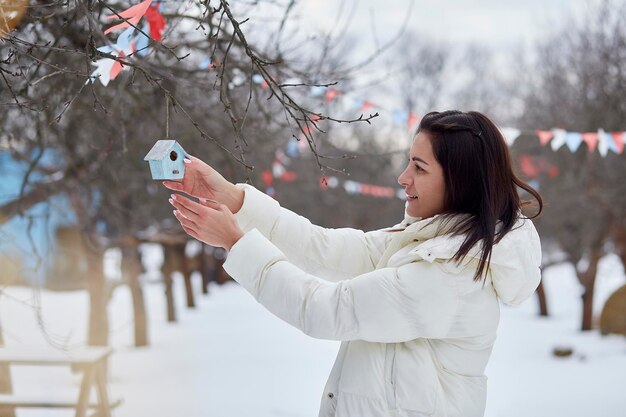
<point x="332" y="254"/>
<point x="386" y="305"/>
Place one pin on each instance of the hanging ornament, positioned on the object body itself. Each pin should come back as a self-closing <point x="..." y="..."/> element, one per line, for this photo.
<point x="11" y="14"/>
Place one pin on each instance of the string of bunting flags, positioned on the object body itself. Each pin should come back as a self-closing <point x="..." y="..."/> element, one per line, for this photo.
<point x="530" y="166"/>
<point x="604" y="142"/>
<point x="131" y="40"/>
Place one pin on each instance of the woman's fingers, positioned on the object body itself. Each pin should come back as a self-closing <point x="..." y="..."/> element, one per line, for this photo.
<point x="185" y="221"/>
<point x="191" y="232"/>
<point x="173" y="185"/>
<point x="207" y="202"/>
<point x="187" y="206"/>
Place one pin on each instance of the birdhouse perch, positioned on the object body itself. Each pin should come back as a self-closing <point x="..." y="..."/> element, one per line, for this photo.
<point x="166" y="160"/>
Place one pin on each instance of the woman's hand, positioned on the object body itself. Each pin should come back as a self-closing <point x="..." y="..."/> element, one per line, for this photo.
<point x="202" y="181"/>
<point x="210" y="222"/>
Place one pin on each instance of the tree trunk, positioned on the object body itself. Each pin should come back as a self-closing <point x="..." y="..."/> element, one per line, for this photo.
<point x="587" y="319"/>
<point x="131" y="270"/>
<point x="588" y="280"/>
<point x="98" y="299"/>
<point x="168" y="269"/>
<point x="6" y="387"/>
<point x="543" y="303"/>
<point x="205" y="270"/>
<point x="619" y="238"/>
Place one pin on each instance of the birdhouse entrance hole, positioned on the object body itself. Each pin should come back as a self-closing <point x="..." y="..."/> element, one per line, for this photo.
<point x="173" y="155"/>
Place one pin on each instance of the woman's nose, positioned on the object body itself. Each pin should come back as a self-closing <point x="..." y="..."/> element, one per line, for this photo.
<point x="402" y="179"/>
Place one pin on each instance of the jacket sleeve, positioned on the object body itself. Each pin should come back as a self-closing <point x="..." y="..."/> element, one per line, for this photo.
<point x="332" y="254"/>
<point x="388" y="305"/>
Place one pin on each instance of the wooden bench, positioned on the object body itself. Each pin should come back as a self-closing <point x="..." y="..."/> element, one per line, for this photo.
<point x="91" y="361"/>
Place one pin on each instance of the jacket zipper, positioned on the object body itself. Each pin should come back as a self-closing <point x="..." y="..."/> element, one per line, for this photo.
<point x="390" y="377"/>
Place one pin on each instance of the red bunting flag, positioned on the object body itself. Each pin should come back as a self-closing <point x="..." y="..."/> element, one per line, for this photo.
<point x="288" y="176"/>
<point x="117" y="66"/>
<point x="331" y="95"/>
<point x="132" y="15"/>
<point x="323" y="183"/>
<point x="267" y="177"/>
<point x="553" y="171"/>
<point x="591" y="139"/>
<point x="413" y="120"/>
<point x="366" y="105"/>
<point x="544" y="136"/>
<point x="156" y="22"/>
<point x="528" y="167"/>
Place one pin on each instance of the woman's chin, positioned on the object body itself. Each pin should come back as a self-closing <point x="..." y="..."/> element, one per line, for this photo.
<point x="412" y="213"/>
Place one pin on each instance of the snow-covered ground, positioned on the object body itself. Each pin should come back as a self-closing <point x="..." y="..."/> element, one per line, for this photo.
<point x="230" y="357"/>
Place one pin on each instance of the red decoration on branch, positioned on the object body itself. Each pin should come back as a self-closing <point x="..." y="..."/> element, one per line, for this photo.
<point x="117" y="65"/>
<point x="132" y="15"/>
<point x="156" y="22"/>
<point x="331" y="95"/>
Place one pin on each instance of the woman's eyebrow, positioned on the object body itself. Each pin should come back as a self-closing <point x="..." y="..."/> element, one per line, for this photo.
<point x="415" y="158"/>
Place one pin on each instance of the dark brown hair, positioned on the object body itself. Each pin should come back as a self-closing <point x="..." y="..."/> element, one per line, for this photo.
<point x="479" y="180"/>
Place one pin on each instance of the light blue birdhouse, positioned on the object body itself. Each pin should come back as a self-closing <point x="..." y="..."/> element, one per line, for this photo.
<point x="166" y="160"/>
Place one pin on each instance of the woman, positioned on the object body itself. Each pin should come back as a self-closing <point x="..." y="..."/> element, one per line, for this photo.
<point x="416" y="305"/>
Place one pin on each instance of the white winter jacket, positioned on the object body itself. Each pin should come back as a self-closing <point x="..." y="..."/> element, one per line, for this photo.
<point x="416" y="330"/>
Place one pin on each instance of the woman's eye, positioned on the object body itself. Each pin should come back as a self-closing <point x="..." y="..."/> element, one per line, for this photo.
<point x="418" y="167"/>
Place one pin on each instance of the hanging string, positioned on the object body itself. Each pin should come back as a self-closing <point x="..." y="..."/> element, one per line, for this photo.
<point x="167" y="116"/>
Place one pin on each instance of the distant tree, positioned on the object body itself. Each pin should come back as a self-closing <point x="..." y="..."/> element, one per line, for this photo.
<point x="577" y="83"/>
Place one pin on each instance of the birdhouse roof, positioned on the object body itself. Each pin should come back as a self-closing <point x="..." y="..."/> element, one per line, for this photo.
<point x="161" y="149"/>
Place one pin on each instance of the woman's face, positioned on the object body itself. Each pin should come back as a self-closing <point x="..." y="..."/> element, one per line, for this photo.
<point x="423" y="180"/>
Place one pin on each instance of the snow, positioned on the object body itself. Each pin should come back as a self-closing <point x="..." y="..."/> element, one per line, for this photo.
<point x="230" y="357"/>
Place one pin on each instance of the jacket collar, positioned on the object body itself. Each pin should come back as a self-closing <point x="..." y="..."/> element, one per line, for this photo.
<point x="515" y="259"/>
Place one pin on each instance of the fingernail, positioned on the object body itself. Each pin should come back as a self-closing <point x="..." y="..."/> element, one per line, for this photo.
<point x="175" y="213"/>
<point x="171" y="201"/>
<point x="187" y="160"/>
<point x="173" y="196"/>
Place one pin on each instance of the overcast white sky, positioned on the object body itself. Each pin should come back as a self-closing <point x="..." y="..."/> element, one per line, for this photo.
<point x="498" y="23"/>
